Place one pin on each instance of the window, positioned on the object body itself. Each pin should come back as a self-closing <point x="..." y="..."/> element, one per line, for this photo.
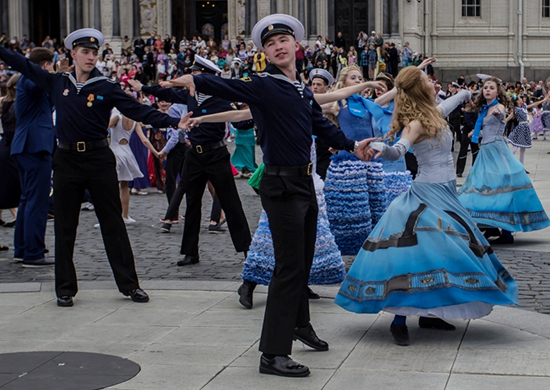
<point x="473" y="8"/>
<point x="546" y="8"/>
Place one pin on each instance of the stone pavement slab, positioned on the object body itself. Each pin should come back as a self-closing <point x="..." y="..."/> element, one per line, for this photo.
<point x="209" y="341"/>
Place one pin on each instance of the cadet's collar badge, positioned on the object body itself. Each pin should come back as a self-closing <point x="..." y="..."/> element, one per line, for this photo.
<point x="66" y="92"/>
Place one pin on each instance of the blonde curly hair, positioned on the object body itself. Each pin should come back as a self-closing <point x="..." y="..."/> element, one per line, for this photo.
<point x="341" y="83"/>
<point x="415" y="101"/>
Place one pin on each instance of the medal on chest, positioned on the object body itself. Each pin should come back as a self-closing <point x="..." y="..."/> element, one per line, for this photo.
<point x="90" y="100"/>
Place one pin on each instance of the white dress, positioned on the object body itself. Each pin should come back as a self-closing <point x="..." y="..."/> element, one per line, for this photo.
<point x="126" y="164"/>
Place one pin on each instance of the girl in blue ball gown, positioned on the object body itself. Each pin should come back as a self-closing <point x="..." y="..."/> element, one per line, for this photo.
<point x="497" y="192"/>
<point x="425" y="257"/>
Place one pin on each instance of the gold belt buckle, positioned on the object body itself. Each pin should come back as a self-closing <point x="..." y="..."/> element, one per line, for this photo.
<point x="198" y="148"/>
<point x="309" y="169"/>
<point x="81" y="146"/>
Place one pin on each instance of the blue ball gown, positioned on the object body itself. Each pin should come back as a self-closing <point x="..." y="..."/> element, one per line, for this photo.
<point x="426" y="256"/>
<point x="497" y="191"/>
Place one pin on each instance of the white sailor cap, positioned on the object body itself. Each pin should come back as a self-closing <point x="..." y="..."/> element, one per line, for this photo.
<point x="204" y="65"/>
<point x="86" y="37"/>
<point x="323" y="74"/>
<point x="276" y="24"/>
<point x="454" y="84"/>
<point x="483" y="76"/>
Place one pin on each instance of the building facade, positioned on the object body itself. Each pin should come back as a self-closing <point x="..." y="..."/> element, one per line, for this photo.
<point x="502" y="37"/>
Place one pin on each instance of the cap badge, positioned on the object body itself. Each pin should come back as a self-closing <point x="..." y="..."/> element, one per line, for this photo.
<point x="92" y="39"/>
<point x="270" y="27"/>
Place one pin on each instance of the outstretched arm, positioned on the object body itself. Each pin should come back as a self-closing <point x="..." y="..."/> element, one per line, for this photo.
<point x="145" y="141"/>
<point x="448" y="105"/>
<point x="409" y="136"/>
<point x="343" y="93"/>
<point x="226" y="116"/>
<point x="20" y="63"/>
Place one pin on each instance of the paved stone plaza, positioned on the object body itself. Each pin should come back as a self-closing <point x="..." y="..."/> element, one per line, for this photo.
<point x="195" y="335"/>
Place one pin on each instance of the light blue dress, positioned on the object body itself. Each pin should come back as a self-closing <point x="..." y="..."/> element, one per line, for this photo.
<point x="497" y="191"/>
<point x="426" y="256"/>
<point x="355" y="190"/>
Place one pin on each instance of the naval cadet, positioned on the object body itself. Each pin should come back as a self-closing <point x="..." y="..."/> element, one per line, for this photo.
<point x="83" y="160"/>
<point x="321" y="81"/>
<point x="207" y="159"/>
<point x="286" y="115"/>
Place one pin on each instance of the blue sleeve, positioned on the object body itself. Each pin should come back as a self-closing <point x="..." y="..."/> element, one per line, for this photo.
<point x="167" y="94"/>
<point x="172" y="141"/>
<point x="328" y="132"/>
<point x="131" y="108"/>
<point x="41" y="77"/>
<point x="247" y="90"/>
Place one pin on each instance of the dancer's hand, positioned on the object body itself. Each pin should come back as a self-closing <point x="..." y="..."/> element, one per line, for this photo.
<point x="184" y="121"/>
<point x="426" y="62"/>
<point x="135" y="84"/>
<point x="363" y="150"/>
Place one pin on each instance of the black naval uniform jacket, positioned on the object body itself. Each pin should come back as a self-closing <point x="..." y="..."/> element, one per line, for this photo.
<point x="285" y="139"/>
<point x="205" y="133"/>
<point x="83" y="114"/>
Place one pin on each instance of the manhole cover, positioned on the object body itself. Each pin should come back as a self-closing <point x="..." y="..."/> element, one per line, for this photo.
<point x="63" y="371"/>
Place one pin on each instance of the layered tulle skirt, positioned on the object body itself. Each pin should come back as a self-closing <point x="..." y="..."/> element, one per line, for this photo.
<point x="327" y="268"/>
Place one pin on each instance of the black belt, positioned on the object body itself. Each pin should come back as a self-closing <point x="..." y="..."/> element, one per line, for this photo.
<point x="303" y="170"/>
<point x="206" y="148"/>
<point x="83" y="146"/>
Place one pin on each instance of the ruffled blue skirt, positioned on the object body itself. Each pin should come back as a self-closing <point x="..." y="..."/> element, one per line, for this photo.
<point x="357" y="195"/>
<point x="426" y="256"/>
<point x="498" y="192"/>
<point x="327" y="268"/>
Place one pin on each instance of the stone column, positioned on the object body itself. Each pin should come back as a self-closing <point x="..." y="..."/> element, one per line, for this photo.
<point x="273" y="6"/>
<point x="97" y="14"/>
<point x="312" y="19"/>
<point x="4" y="17"/>
<point x="116" y="19"/>
<point x="78" y="16"/>
<point x="63" y="18"/>
<point x="251" y="16"/>
<point x="371" y="16"/>
<point x="386" y="18"/>
<point x="395" y="19"/>
<point x="136" y="18"/>
<point x="301" y="11"/>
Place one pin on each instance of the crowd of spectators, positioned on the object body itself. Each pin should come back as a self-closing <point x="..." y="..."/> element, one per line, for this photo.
<point x="152" y="59"/>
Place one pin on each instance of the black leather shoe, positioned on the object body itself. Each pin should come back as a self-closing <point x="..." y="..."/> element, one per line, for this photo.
<point x="308" y="336"/>
<point x="434" y="323"/>
<point x="312" y="294"/>
<point x="400" y="334"/>
<point x="65" y="301"/>
<point x="137" y="295"/>
<point x="491" y="232"/>
<point x="38" y="263"/>
<point x="502" y="240"/>
<point x="282" y="366"/>
<point x="189" y="260"/>
<point x="245" y="292"/>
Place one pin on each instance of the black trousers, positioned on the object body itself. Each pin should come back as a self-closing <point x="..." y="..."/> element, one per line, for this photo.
<point x="214" y="166"/>
<point x="95" y="170"/>
<point x="174" y="163"/>
<point x="454" y="124"/>
<point x="463" y="152"/>
<point x="292" y="210"/>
